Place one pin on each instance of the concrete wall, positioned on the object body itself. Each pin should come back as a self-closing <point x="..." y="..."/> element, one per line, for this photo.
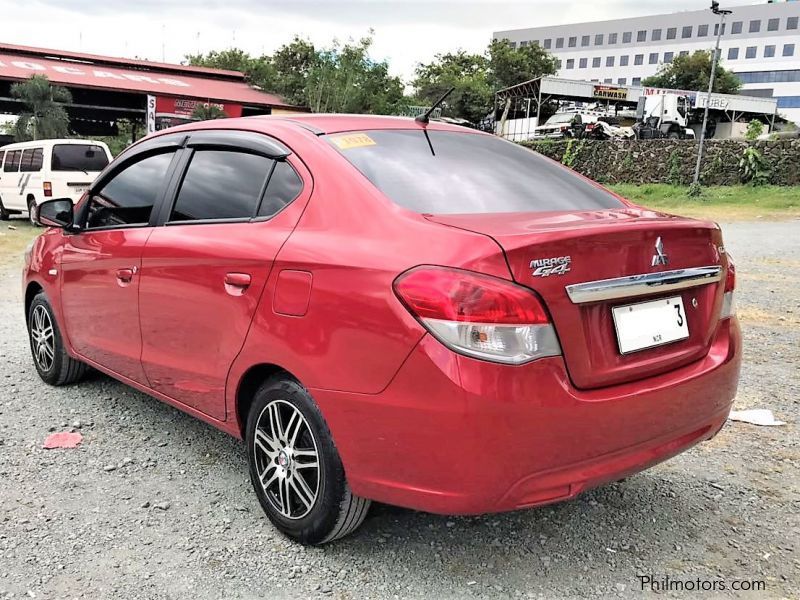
<point x="672" y="161"/>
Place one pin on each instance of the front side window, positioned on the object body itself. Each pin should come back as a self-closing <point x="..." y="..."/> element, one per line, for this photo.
<point x="448" y="172"/>
<point x="78" y="157"/>
<point x="128" y="198"/>
<point x="12" y="161"/>
<point x="32" y="160"/>
<point x="221" y="184"/>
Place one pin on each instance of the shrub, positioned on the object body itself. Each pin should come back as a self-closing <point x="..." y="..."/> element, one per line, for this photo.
<point x="753" y="167"/>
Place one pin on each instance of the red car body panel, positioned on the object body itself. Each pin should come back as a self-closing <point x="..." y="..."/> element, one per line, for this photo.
<point x="416" y="424"/>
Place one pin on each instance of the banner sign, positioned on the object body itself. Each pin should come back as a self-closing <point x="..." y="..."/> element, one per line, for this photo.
<point x="183" y="108"/>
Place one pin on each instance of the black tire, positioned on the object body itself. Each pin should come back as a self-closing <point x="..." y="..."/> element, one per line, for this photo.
<point x="4" y="214"/>
<point x="62" y="369"/>
<point x="674" y="134"/>
<point x="32" y="211"/>
<point x="334" y="512"/>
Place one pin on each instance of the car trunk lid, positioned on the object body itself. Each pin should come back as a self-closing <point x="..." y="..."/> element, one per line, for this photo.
<point x="550" y="251"/>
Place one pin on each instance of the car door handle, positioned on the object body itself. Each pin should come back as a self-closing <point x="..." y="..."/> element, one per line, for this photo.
<point x="238" y="280"/>
<point x="125" y="275"/>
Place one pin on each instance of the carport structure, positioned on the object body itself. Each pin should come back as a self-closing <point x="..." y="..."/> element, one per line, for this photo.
<point x="105" y="89"/>
<point x="518" y="109"/>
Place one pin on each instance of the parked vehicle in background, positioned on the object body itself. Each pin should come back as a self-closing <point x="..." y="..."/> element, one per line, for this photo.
<point x="580" y="124"/>
<point x="418" y="314"/>
<point x="664" y="116"/>
<point x="31" y="172"/>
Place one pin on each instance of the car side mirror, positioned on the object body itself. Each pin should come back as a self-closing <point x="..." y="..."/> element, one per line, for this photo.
<point x="58" y="212"/>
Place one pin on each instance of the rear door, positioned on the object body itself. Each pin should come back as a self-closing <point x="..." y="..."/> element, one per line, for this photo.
<point x="30" y="171"/>
<point x="203" y="272"/>
<point x="101" y="264"/>
<point x="73" y="168"/>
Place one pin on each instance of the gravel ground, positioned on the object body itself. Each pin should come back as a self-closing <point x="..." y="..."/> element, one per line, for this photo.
<point x="155" y="504"/>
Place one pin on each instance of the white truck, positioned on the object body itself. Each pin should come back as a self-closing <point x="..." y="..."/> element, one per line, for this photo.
<point x="664" y="116"/>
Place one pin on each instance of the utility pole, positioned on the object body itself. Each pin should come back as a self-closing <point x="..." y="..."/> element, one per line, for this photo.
<point x="722" y="14"/>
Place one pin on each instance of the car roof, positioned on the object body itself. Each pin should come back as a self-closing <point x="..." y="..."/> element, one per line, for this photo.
<point x="323" y="123"/>
<point x="41" y="143"/>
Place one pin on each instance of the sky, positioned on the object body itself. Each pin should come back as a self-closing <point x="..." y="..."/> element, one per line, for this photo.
<point x="406" y="32"/>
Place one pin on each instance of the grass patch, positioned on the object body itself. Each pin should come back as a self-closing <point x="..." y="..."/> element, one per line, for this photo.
<point x="718" y="203"/>
<point x="14" y="241"/>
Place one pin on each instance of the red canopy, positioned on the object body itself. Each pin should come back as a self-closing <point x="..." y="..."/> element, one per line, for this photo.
<point x="90" y="71"/>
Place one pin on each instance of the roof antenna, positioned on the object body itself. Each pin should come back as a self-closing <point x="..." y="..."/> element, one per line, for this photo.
<point x="426" y="118"/>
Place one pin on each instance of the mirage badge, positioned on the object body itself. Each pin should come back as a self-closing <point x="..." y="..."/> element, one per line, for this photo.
<point x="544" y="267"/>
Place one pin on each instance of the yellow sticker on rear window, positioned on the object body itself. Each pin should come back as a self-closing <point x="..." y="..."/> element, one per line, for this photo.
<point x="352" y="140"/>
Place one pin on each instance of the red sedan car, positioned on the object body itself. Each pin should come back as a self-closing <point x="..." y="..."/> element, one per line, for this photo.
<point x="388" y="310"/>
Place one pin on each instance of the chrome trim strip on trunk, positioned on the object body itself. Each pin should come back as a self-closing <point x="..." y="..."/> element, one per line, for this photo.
<point x="642" y="285"/>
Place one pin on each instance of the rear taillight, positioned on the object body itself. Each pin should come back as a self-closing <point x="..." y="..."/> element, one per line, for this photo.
<point x="48" y="188"/>
<point x="477" y="315"/>
<point x="728" y="306"/>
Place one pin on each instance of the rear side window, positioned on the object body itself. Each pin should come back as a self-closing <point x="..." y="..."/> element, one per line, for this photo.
<point x="221" y="185"/>
<point x="79" y="157"/>
<point x="444" y="172"/>
<point x="32" y="159"/>
<point x="129" y="197"/>
<point x="284" y="186"/>
<point x="12" y="161"/>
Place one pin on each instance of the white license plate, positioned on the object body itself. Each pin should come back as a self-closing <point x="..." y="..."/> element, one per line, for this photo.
<point x="80" y="190"/>
<point x="650" y="324"/>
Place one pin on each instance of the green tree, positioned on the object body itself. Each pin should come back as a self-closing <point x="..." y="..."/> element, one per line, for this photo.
<point x="509" y="66"/>
<point x="754" y="129"/>
<point x="208" y="112"/>
<point x="44" y="116"/>
<point x="467" y="73"/>
<point x="292" y="63"/>
<point x="691" y="72"/>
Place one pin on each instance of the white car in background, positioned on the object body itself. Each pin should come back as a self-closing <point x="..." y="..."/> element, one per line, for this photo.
<point x="32" y="172"/>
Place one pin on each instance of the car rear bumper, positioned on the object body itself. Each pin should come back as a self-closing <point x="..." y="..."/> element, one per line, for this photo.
<point x="454" y="435"/>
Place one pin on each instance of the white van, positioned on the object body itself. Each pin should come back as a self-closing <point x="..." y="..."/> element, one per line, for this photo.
<point x="31" y="172"/>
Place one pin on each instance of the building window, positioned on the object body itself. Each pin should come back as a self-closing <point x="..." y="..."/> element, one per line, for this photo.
<point x="585" y="40"/>
<point x="755" y="26"/>
<point x="535" y="43"/>
<point x="736" y="27"/>
<point x="573" y="41"/>
<point x="638" y="59"/>
<point x="596" y="62"/>
<point x="773" y="24"/>
<point x="626" y="37"/>
<point x="716" y="29"/>
<point x="523" y="44"/>
<point x="548" y="43"/>
<point x="733" y="53"/>
<point x="570" y="63"/>
<point x="612" y="38"/>
<point x="788" y="49"/>
<point x="623" y="60"/>
<point x="702" y="30"/>
<point x="607" y="80"/>
<point x="656" y="35"/>
<point x="653" y="60"/>
<point x="686" y="32"/>
<point x="622" y="81"/>
<point x="641" y="36"/>
<point x="513" y="44"/>
<point x="769" y="51"/>
<point x="684" y="53"/>
<point x="788" y="101"/>
<point x="750" y="52"/>
<point x="791" y="23"/>
<point x="598" y="39"/>
<point x="672" y="33"/>
<point x="609" y="61"/>
<point x="770" y="76"/>
<point x="559" y="42"/>
<point x="583" y="63"/>
<point x="668" y="56"/>
<point x="636" y="81"/>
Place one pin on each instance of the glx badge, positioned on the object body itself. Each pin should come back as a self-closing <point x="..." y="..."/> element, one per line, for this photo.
<point x="544" y="267"/>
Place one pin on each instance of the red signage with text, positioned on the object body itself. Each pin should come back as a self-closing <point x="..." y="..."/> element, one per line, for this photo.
<point x="184" y="107"/>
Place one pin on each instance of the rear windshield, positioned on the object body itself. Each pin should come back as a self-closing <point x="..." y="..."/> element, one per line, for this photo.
<point x="444" y="172"/>
<point x="78" y="157"/>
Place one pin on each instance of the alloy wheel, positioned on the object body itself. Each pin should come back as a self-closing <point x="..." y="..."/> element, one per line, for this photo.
<point x="42" y="338"/>
<point x="287" y="459"/>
